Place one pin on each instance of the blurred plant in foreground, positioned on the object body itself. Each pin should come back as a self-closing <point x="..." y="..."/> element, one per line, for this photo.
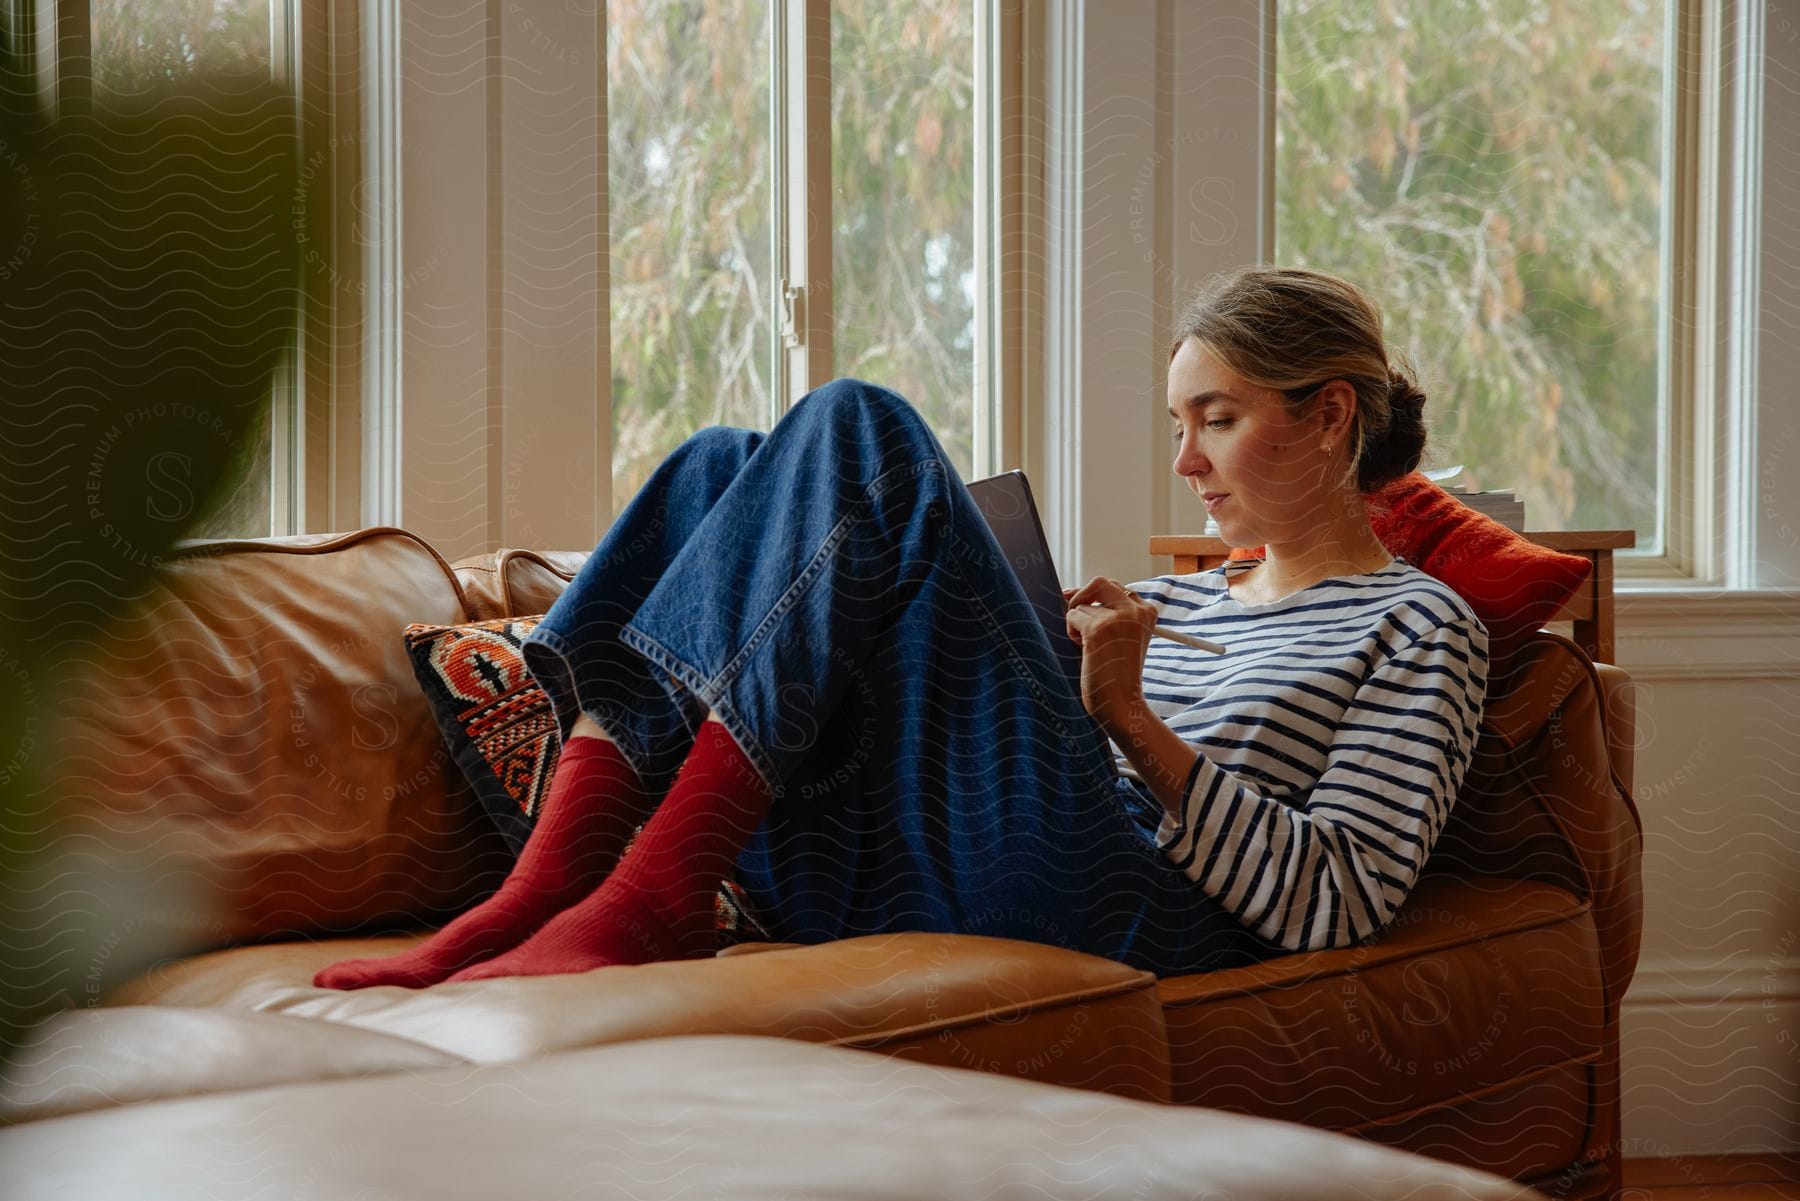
<point x="148" y="287"/>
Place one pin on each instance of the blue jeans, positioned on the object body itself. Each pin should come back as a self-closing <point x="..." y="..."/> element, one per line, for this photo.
<point x="832" y="593"/>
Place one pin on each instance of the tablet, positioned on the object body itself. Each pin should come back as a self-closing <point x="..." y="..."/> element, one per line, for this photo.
<point x="1005" y="501"/>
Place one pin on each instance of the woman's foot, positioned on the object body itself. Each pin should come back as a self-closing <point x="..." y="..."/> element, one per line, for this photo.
<point x="595" y="803"/>
<point x="658" y="904"/>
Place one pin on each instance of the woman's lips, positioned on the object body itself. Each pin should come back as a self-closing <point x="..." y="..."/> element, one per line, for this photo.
<point x="1213" y="502"/>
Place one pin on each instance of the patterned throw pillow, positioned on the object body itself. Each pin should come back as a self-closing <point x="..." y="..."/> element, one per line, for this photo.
<point x="502" y="732"/>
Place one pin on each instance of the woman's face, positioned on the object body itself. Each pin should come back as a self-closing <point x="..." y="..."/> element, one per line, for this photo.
<point x="1242" y="450"/>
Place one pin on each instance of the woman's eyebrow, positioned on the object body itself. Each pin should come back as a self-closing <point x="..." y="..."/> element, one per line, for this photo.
<point x="1201" y="400"/>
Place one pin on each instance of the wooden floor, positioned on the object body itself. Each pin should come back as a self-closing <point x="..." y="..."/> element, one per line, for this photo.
<point x="1713" y="1178"/>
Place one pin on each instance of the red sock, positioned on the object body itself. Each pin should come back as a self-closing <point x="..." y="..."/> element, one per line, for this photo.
<point x="658" y="903"/>
<point x="595" y="802"/>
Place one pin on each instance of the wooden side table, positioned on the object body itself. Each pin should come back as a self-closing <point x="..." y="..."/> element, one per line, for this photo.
<point x="1590" y="610"/>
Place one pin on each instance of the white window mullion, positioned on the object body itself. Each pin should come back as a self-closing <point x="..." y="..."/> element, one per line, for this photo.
<point x="287" y="442"/>
<point x="381" y="266"/>
<point x="603" y="398"/>
<point x="801" y="44"/>
<point x="1741" y="162"/>
<point x="1060" y="491"/>
<point x="987" y="278"/>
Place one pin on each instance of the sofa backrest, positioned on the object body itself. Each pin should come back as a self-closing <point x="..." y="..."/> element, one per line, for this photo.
<point x="260" y="714"/>
<point x="1547" y="795"/>
<point x="516" y="583"/>
<point x="257" y="721"/>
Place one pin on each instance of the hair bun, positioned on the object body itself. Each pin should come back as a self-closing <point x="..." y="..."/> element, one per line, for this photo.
<point x="1404" y="394"/>
<point x="1397" y="449"/>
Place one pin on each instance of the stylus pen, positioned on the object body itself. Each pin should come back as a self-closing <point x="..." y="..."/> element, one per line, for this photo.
<point x="1199" y="644"/>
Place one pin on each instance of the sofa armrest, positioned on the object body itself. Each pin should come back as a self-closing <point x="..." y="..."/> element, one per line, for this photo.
<point x="1619" y="705"/>
<point x="1547" y="796"/>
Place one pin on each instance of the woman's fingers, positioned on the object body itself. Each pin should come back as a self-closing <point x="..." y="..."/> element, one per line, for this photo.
<point x="1099" y="589"/>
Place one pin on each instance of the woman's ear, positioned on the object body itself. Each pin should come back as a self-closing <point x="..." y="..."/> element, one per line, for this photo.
<point x="1335" y="410"/>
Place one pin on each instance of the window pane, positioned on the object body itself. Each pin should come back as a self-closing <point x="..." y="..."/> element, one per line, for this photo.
<point x="1492" y="172"/>
<point x="903" y="197"/>
<point x="688" y="189"/>
<point x="140" y="44"/>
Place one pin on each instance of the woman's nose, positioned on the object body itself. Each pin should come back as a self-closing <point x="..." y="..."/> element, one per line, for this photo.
<point x="1189" y="460"/>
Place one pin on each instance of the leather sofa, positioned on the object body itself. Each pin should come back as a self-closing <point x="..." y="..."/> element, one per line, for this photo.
<point x="255" y="726"/>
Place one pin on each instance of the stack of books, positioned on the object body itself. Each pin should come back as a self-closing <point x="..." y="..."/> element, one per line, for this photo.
<point x="1500" y="504"/>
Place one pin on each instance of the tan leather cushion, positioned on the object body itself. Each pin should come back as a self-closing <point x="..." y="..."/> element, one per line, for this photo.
<point x="97" y="1058"/>
<point x="516" y="583"/>
<point x="255" y="722"/>
<point x="991" y="1004"/>
<point x="747" y="1119"/>
<point x="1477" y="984"/>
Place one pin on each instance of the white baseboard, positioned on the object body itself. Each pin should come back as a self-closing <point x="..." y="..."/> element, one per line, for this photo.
<point x="1738" y="980"/>
<point x="1711" y="1056"/>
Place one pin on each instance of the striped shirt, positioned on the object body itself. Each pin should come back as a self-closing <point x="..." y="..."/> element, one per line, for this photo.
<point x="1333" y="737"/>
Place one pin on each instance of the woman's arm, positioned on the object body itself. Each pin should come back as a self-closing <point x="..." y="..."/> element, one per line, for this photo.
<point x="1112" y="626"/>
<point x="1161" y="757"/>
<point x="1329" y="867"/>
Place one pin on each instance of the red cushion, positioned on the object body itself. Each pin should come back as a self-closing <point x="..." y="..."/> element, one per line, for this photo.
<point x="1513" y="584"/>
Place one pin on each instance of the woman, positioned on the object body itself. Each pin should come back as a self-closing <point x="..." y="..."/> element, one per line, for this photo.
<point x="809" y="647"/>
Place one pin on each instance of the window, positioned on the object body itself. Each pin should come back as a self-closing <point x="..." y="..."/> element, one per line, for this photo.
<point x="134" y="45"/>
<point x="903" y="205"/>
<point x="719" y="150"/>
<point x="1498" y="170"/>
<point x="689" y="199"/>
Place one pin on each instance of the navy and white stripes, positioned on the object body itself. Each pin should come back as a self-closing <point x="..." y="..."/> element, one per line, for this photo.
<point x="1333" y="738"/>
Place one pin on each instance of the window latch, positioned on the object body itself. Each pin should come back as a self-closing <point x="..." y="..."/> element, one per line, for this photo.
<point x="793" y="315"/>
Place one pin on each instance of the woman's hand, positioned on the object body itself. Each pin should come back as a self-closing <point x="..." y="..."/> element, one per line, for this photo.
<point x="1112" y="628"/>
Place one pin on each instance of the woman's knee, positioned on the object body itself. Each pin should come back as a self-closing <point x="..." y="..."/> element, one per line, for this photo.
<point x="722" y="449"/>
<point x="858" y="401"/>
<point x="880" y="419"/>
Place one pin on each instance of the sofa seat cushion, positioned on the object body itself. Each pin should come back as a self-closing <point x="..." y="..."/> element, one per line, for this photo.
<point x="746" y="1118"/>
<point x="96" y="1058"/>
<point x="1478" y="984"/>
<point x="992" y="1004"/>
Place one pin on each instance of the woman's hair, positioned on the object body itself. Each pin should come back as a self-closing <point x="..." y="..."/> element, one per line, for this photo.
<point x="1292" y="329"/>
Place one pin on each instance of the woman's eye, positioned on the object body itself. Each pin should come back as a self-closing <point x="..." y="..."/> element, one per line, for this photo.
<point x="1217" y="423"/>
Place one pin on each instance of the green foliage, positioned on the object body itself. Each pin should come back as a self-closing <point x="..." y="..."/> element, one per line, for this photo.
<point x="141" y="44"/>
<point x="903" y="205"/>
<point x="690" y="204"/>
<point x="1492" y="172"/>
